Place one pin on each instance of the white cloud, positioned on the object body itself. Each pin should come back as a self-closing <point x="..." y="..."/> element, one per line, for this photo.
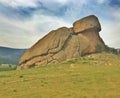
<point x="116" y="13"/>
<point x="75" y="9"/>
<point x="111" y="28"/>
<point x="23" y="34"/>
<point x="110" y="33"/>
<point x="58" y="1"/>
<point x="17" y="3"/>
<point x="64" y="1"/>
<point x="102" y="1"/>
<point x="30" y="3"/>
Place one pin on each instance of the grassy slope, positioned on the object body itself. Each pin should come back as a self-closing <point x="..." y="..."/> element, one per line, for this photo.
<point x="95" y="76"/>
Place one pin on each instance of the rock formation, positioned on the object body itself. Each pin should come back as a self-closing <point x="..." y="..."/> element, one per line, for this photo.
<point x="65" y="44"/>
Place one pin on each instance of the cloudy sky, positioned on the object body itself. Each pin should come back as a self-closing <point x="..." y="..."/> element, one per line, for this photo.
<point x="23" y="22"/>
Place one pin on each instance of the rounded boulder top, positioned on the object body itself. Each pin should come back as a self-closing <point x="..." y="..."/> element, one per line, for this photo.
<point x="89" y="22"/>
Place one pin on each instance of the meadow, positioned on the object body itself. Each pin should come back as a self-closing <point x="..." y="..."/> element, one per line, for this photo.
<point x="7" y="67"/>
<point x="92" y="76"/>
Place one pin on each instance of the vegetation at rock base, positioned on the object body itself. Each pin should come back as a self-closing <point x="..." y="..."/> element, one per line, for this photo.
<point x="7" y="67"/>
<point x="99" y="48"/>
<point x="112" y="50"/>
<point x="91" y="76"/>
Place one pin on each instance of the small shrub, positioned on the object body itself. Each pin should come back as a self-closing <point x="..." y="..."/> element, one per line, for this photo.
<point x="84" y="62"/>
<point x="111" y="50"/>
<point x="99" y="48"/>
<point x="14" y="90"/>
<point x="21" y="76"/>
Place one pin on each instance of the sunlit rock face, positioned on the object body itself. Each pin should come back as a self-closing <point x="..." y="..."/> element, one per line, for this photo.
<point x="65" y="44"/>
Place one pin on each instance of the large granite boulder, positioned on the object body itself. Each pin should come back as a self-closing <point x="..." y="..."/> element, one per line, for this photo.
<point x="65" y="44"/>
<point x="86" y="23"/>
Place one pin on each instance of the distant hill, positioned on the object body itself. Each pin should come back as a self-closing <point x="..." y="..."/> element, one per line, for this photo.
<point x="10" y="55"/>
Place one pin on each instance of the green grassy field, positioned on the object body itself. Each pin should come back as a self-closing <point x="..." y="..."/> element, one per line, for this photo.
<point x="7" y="68"/>
<point x="94" y="76"/>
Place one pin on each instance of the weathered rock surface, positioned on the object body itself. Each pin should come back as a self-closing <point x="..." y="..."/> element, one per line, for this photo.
<point x="64" y="44"/>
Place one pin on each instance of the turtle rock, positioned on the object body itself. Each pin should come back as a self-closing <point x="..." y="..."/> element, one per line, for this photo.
<point x="65" y="44"/>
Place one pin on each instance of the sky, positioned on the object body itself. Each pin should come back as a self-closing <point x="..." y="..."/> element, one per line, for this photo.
<point x="24" y="22"/>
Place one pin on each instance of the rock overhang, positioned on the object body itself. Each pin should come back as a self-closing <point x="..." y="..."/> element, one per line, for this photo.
<point x="89" y="22"/>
